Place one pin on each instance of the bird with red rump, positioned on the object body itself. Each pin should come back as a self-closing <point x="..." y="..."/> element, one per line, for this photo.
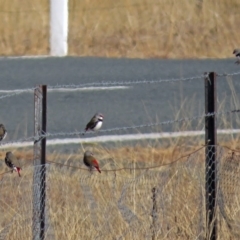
<point x="90" y="161"/>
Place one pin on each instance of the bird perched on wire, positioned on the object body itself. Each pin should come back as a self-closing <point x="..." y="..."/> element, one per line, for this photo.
<point x="237" y="54"/>
<point x="3" y="132"/>
<point x="12" y="162"/>
<point x="90" y="161"/>
<point x="95" y="123"/>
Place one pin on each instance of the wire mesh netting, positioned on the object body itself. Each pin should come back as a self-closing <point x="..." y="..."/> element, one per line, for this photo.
<point x="140" y="202"/>
<point x="129" y="199"/>
<point x="229" y="190"/>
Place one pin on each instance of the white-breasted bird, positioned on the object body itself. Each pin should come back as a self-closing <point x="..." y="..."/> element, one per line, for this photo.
<point x="95" y="123"/>
<point x="12" y="162"/>
<point x="90" y="161"/>
<point x="236" y="52"/>
<point x="3" y="132"/>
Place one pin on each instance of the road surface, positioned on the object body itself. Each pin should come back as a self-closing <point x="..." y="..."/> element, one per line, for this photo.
<point x="69" y="111"/>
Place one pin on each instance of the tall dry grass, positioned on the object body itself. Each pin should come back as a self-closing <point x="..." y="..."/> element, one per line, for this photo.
<point x="118" y="204"/>
<point x="126" y="28"/>
<point x="24" y="27"/>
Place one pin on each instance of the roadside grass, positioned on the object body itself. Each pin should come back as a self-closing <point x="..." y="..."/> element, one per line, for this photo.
<point x="118" y="202"/>
<point x="126" y="28"/>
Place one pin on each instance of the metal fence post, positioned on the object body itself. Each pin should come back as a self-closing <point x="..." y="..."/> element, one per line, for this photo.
<point x="39" y="183"/>
<point x="154" y="213"/>
<point x="210" y="141"/>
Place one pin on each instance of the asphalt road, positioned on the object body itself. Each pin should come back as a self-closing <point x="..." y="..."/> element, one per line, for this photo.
<point x="138" y="104"/>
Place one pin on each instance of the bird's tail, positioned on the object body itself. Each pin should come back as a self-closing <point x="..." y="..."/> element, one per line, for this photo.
<point x="18" y="169"/>
<point x="98" y="169"/>
<point x="95" y="164"/>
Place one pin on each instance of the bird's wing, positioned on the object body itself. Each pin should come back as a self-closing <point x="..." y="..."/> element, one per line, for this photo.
<point x="95" y="162"/>
<point x="8" y="162"/>
<point x="91" y="124"/>
<point x="86" y="162"/>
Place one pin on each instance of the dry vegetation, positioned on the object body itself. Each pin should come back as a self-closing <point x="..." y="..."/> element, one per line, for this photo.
<point x="126" y="28"/>
<point x="118" y="204"/>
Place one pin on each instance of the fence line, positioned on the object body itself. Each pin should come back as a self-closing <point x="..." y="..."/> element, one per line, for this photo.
<point x="15" y="92"/>
<point x="131" y="168"/>
<point x="78" y="133"/>
<point x="135" y="168"/>
<point x="123" y="168"/>
<point x="18" y="90"/>
<point x="141" y="126"/>
<point x="116" y="83"/>
<point x="228" y="74"/>
<point x="160" y="175"/>
<point x="94" y="84"/>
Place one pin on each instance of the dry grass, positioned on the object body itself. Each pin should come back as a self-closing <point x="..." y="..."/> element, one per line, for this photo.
<point x="117" y="204"/>
<point x="126" y="28"/>
<point x="24" y="27"/>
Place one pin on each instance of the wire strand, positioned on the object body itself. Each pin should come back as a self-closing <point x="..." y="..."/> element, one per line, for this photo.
<point x="116" y="83"/>
<point x="228" y="74"/>
<point x="140" y="126"/>
<point x="76" y="133"/>
<point x="129" y="168"/>
<point x="15" y="92"/>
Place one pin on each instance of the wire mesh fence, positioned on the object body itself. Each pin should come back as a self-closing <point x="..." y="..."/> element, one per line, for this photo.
<point x="136" y="202"/>
<point x="130" y="199"/>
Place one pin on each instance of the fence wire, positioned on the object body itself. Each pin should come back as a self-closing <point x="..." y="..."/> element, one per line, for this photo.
<point x="167" y="202"/>
<point x="118" y="129"/>
<point x="138" y="202"/>
<point x="16" y="92"/>
<point x="228" y="74"/>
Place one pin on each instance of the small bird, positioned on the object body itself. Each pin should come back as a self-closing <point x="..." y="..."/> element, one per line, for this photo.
<point x="3" y="132"/>
<point x="90" y="161"/>
<point x="95" y="123"/>
<point x="237" y="54"/>
<point x="12" y="162"/>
